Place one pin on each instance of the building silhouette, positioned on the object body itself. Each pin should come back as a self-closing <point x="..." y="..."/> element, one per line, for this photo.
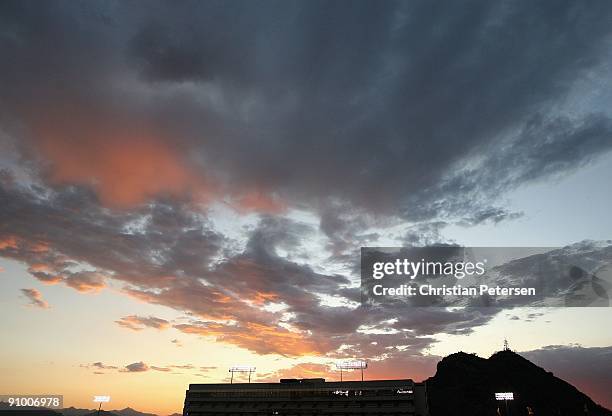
<point x="301" y="397"/>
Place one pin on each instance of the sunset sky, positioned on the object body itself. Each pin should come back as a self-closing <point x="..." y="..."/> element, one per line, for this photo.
<point x="185" y="186"/>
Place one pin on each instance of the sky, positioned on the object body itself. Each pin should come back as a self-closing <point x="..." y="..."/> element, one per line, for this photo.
<point x="186" y="186"/>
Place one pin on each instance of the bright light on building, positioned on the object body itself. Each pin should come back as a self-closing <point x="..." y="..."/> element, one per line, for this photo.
<point x="101" y="399"/>
<point x="352" y="365"/>
<point x="404" y="391"/>
<point x="504" y="396"/>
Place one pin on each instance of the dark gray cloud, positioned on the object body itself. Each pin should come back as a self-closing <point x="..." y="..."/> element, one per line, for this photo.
<point x="138" y="367"/>
<point x="101" y="366"/>
<point x="587" y="368"/>
<point x="379" y="106"/>
<point x="425" y="234"/>
<point x="575" y="275"/>
<point x="55" y="232"/>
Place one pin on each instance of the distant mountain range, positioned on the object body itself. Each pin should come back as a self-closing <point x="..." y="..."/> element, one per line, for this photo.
<point x="73" y="411"/>
<point x="128" y="411"/>
<point x="465" y="385"/>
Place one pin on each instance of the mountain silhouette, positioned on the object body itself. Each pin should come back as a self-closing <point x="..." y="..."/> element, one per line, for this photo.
<point x="6" y="409"/>
<point x="128" y="411"/>
<point x="73" y="411"/>
<point x="465" y="384"/>
<point x="102" y="413"/>
<point x="69" y="411"/>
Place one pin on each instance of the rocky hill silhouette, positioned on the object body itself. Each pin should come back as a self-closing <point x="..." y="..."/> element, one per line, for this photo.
<point x="464" y="384"/>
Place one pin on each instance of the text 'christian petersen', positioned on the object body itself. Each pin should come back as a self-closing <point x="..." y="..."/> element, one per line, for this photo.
<point x="456" y="290"/>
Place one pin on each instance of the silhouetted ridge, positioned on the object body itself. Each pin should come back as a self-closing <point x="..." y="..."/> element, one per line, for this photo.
<point x="5" y="409"/>
<point x="465" y="384"/>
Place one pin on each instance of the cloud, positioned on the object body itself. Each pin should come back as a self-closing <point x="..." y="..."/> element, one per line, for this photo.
<point x="169" y="255"/>
<point x="228" y="298"/>
<point x="125" y="170"/>
<point x="302" y="370"/>
<point x="35" y="298"/>
<point x="56" y="232"/>
<point x="138" y="323"/>
<point x="184" y="366"/>
<point x="178" y="100"/>
<point x="587" y="368"/>
<point x="136" y="367"/>
<point x="85" y="281"/>
<point x="140" y="366"/>
<point x="262" y="339"/>
<point x="98" y="366"/>
<point x="405" y="114"/>
<point x="45" y="273"/>
<point x="394" y="365"/>
<point x="102" y="366"/>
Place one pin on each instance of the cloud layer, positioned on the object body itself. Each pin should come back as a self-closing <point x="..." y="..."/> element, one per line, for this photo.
<point x="331" y="101"/>
<point x="232" y="174"/>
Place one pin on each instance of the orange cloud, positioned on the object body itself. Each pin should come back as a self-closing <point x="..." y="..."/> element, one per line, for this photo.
<point x="258" y="201"/>
<point x="27" y="251"/>
<point x="260" y="338"/>
<point x="304" y="370"/>
<point x="125" y="170"/>
<point x="9" y="242"/>
<point x="127" y="164"/>
<point x="35" y="298"/>
<point x="263" y="297"/>
<point x="39" y="247"/>
<point x="50" y="279"/>
<point x="39" y="268"/>
<point x="45" y="273"/>
<point x="86" y="282"/>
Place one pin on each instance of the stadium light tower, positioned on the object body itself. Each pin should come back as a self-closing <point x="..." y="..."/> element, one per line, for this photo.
<point x="101" y="399"/>
<point x="352" y="365"/>
<point x="241" y="369"/>
<point x="505" y="396"/>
